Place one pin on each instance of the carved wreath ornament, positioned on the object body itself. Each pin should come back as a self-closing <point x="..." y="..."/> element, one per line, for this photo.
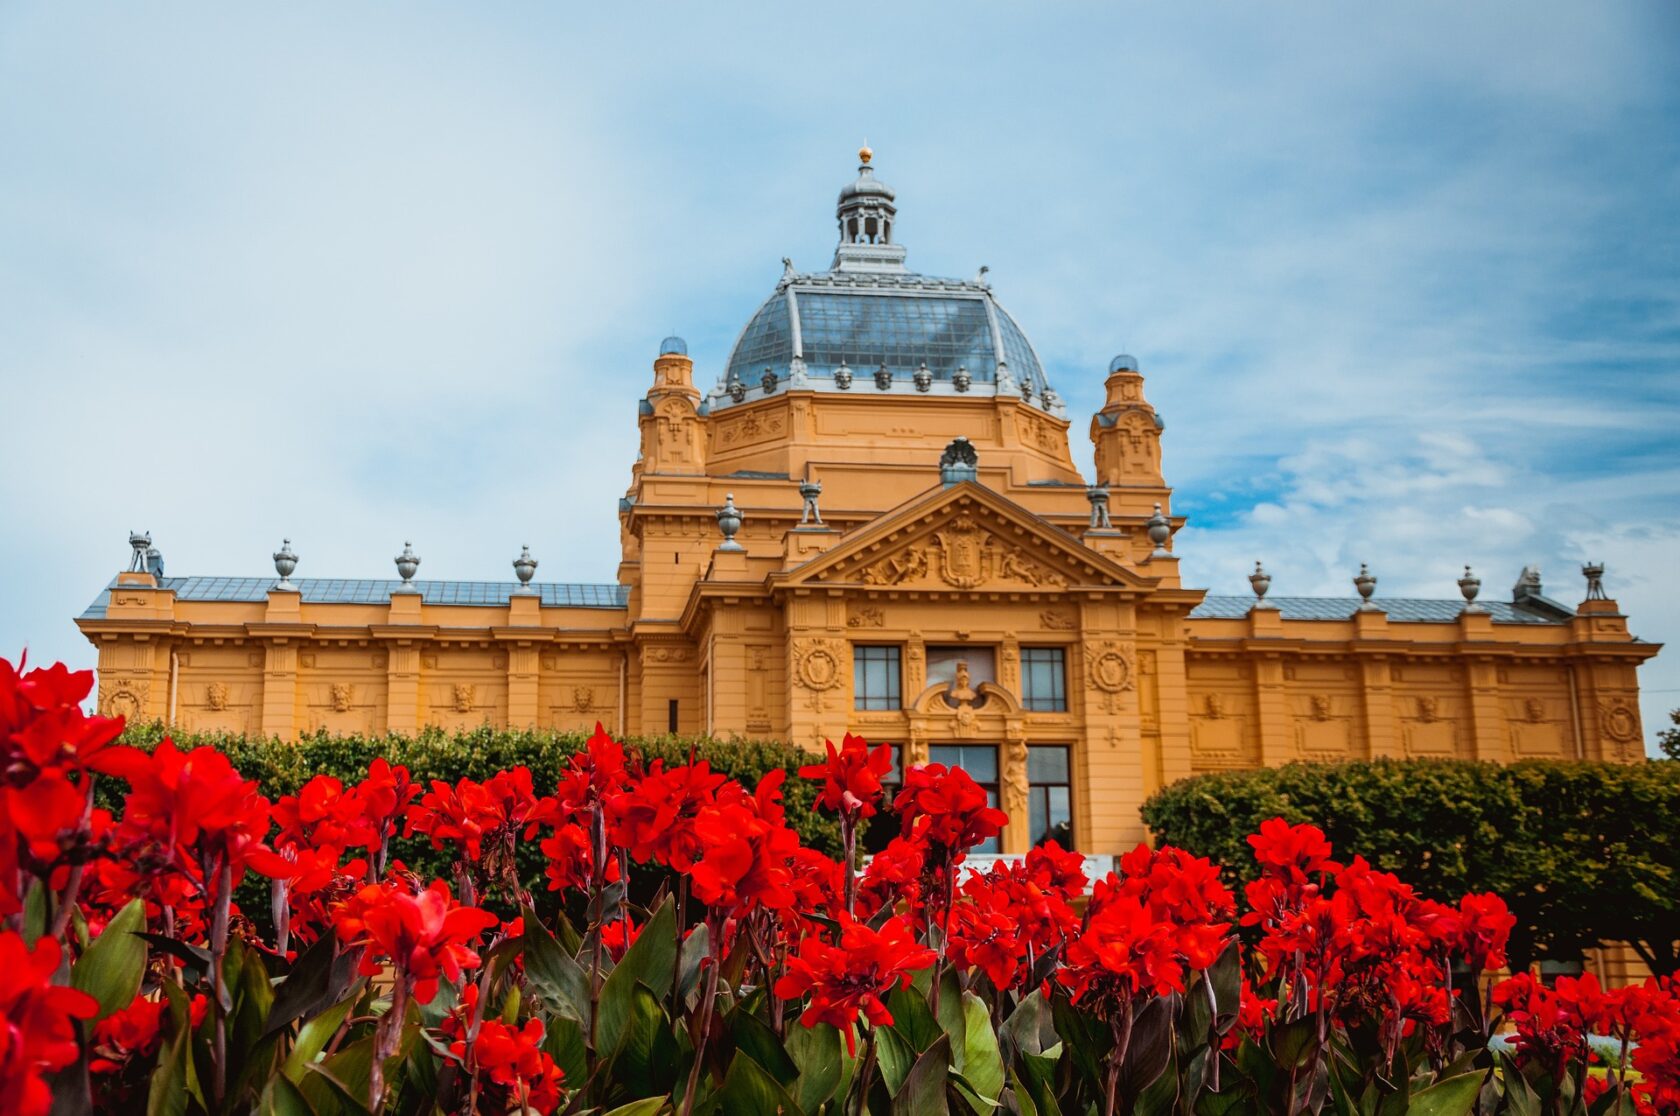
<point x="1110" y="668"/>
<point x="819" y="664"/>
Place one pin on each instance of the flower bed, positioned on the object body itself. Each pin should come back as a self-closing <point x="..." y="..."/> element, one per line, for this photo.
<point x="769" y="977"/>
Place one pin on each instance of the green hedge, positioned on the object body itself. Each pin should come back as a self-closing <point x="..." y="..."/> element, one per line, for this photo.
<point x="1584" y="853"/>
<point x="281" y="768"/>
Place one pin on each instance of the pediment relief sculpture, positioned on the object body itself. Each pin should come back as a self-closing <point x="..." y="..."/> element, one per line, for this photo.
<point x="963" y="555"/>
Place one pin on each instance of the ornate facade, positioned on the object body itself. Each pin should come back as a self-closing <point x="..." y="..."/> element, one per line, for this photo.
<point x="873" y="522"/>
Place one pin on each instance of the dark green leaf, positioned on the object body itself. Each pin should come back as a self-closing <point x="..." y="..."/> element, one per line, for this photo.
<point x="633" y="1061"/>
<point x="651" y="960"/>
<point x="1087" y="1041"/>
<point x="313" y="1037"/>
<point x="564" y="1043"/>
<point x="113" y="966"/>
<point x="645" y="1107"/>
<point x="1040" y="1080"/>
<point x="1029" y="1027"/>
<point x="559" y="980"/>
<point x="895" y="1057"/>
<point x="754" y="1037"/>
<point x="1293" y="1042"/>
<point x="1454" y="1096"/>
<point x="820" y="1054"/>
<point x="978" y="1057"/>
<point x="1226" y="979"/>
<point x="167" y="1094"/>
<point x="282" y="1098"/>
<point x="912" y="1019"/>
<point x="319" y="977"/>
<point x="1150" y="1047"/>
<point x="195" y="959"/>
<point x="748" y="1089"/>
<point x="923" y="1091"/>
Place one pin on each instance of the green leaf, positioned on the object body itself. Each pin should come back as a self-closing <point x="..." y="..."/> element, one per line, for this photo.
<point x="651" y="960"/>
<point x="564" y="1043"/>
<point x="1520" y="1097"/>
<point x="923" y="1091"/>
<point x="113" y="966"/>
<point x="820" y="1055"/>
<point x="633" y="1061"/>
<point x="35" y="912"/>
<point x="1226" y="980"/>
<point x="1292" y="1042"/>
<point x="895" y="1056"/>
<point x="978" y="1057"/>
<point x="1455" y="1096"/>
<point x="1080" y="1035"/>
<point x="313" y="1037"/>
<point x="912" y="1019"/>
<point x="282" y="1098"/>
<point x="646" y="1107"/>
<point x="695" y="949"/>
<point x="342" y="1079"/>
<point x="1150" y="1047"/>
<point x="318" y="978"/>
<point x="754" y="1038"/>
<point x="1029" y="1027"/>
<point x="167" y="1093"/>
<point x="560" y="981"/>
<point x="1023" y="1098"/>
<point x="1040" y="1080"/>
<point x="748" y="1089"/>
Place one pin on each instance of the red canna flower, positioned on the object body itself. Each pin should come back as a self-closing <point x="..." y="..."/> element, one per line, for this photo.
<point x="514" y="1073"/>
<point x="653" y="819"/>
<point x="37" y="1023"/>
<point x="1484" y="928"/>
<point x="946" y="808"/>
<point x="424" y="936"/>
<point x="1293" y="853"/>
<point x="850" y="978"/>
<point x="196" y="798"/>
<point x="618" y="936"/>
<point x="747" y="852"/>
<point x="127" y="1033"/>
<point x="1124" y="952"/>
<point x="852" y="776"/>
<point x="323" y="813"/>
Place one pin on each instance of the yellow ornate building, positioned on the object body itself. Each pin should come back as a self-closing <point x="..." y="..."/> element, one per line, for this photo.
<point x="873" y="522"/>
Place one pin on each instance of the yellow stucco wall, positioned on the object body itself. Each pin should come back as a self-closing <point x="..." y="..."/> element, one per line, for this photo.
<point x="759" y="642"/>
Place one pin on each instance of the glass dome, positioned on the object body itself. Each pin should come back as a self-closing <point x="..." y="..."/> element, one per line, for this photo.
<point x="945" y="324"/>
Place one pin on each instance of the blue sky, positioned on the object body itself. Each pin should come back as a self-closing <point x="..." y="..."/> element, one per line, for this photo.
<point x="1405" y="282"/>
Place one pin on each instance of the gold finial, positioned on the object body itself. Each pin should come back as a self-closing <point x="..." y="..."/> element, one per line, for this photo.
<point x="864" y="153"/>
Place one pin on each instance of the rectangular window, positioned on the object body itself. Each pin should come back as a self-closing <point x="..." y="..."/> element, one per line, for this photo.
<point x="671" y="716"/>
<point x="1044" y="679"/>
<point x="1049" y="795"/>
<point x="875" y="678"/>
<point x="981" y="763"/>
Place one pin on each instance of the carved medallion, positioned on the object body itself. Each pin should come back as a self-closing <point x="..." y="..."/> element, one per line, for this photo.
<point x="1619" y="720"/>
<point x="964" y="556"/>
<point x="819" y="663"/>
<point x="1109" y="667"/>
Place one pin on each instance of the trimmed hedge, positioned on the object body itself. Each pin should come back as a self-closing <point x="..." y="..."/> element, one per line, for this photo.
<point x="1584" y="853"/>
<point x="281" y="768"/>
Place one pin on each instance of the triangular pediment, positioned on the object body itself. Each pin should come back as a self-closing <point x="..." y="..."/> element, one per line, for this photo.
<point x="964" y="538"/>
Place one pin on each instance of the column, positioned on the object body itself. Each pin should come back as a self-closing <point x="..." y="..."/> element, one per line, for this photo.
<point x="522" y="673"/>
<point x="402" y="687"/>
<point x="279" y="695"/>
<point x="1377" y="689"/>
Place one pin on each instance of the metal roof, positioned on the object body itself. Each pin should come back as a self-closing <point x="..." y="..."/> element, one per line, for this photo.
<point x="1340" y="608"/>
<point x="489" y="594"/>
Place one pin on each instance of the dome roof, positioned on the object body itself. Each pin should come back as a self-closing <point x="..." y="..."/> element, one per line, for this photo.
<point x="870" y="318"/>
<point x="673" y="346"/>
<point x="901" y="322"/>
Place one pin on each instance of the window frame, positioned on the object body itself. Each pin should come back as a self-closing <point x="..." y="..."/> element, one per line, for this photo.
<point x="1028" y="700"/>
<point x="863" y="701"/>
<point x="1034" y="787"/>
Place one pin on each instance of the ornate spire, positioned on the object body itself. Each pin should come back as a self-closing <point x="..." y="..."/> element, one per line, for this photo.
<point x="866" y="215"/>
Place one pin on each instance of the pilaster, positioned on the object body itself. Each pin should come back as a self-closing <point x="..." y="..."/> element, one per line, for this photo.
<point x="1377" y="691"/>
<point x="1487" y="721"/>
<point x="279" y="694"/>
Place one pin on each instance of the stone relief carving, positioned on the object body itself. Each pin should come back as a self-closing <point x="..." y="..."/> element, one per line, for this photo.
<point x="1534" y="710"/>
<point x="1057" y="620"/>
<point x="1428" y="709"/>
<point x="1215" y="706"/>
<point x="1015" y="785"/>
<point x="216" y="696"/>
<point x="866" y="616"/>
<point x="125" y="698"/>
<point x="659" y="653"/>
<point x="1109" y="667"/>
<point x="465" y="692"/>
<point x="342" y="694"/>
<point x="965" y="555"/>
<point x="583" y="699"/>
<point x="1320" y="707"/>
<point x="1619" y="720"/>
<point x="818" y="668"/>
